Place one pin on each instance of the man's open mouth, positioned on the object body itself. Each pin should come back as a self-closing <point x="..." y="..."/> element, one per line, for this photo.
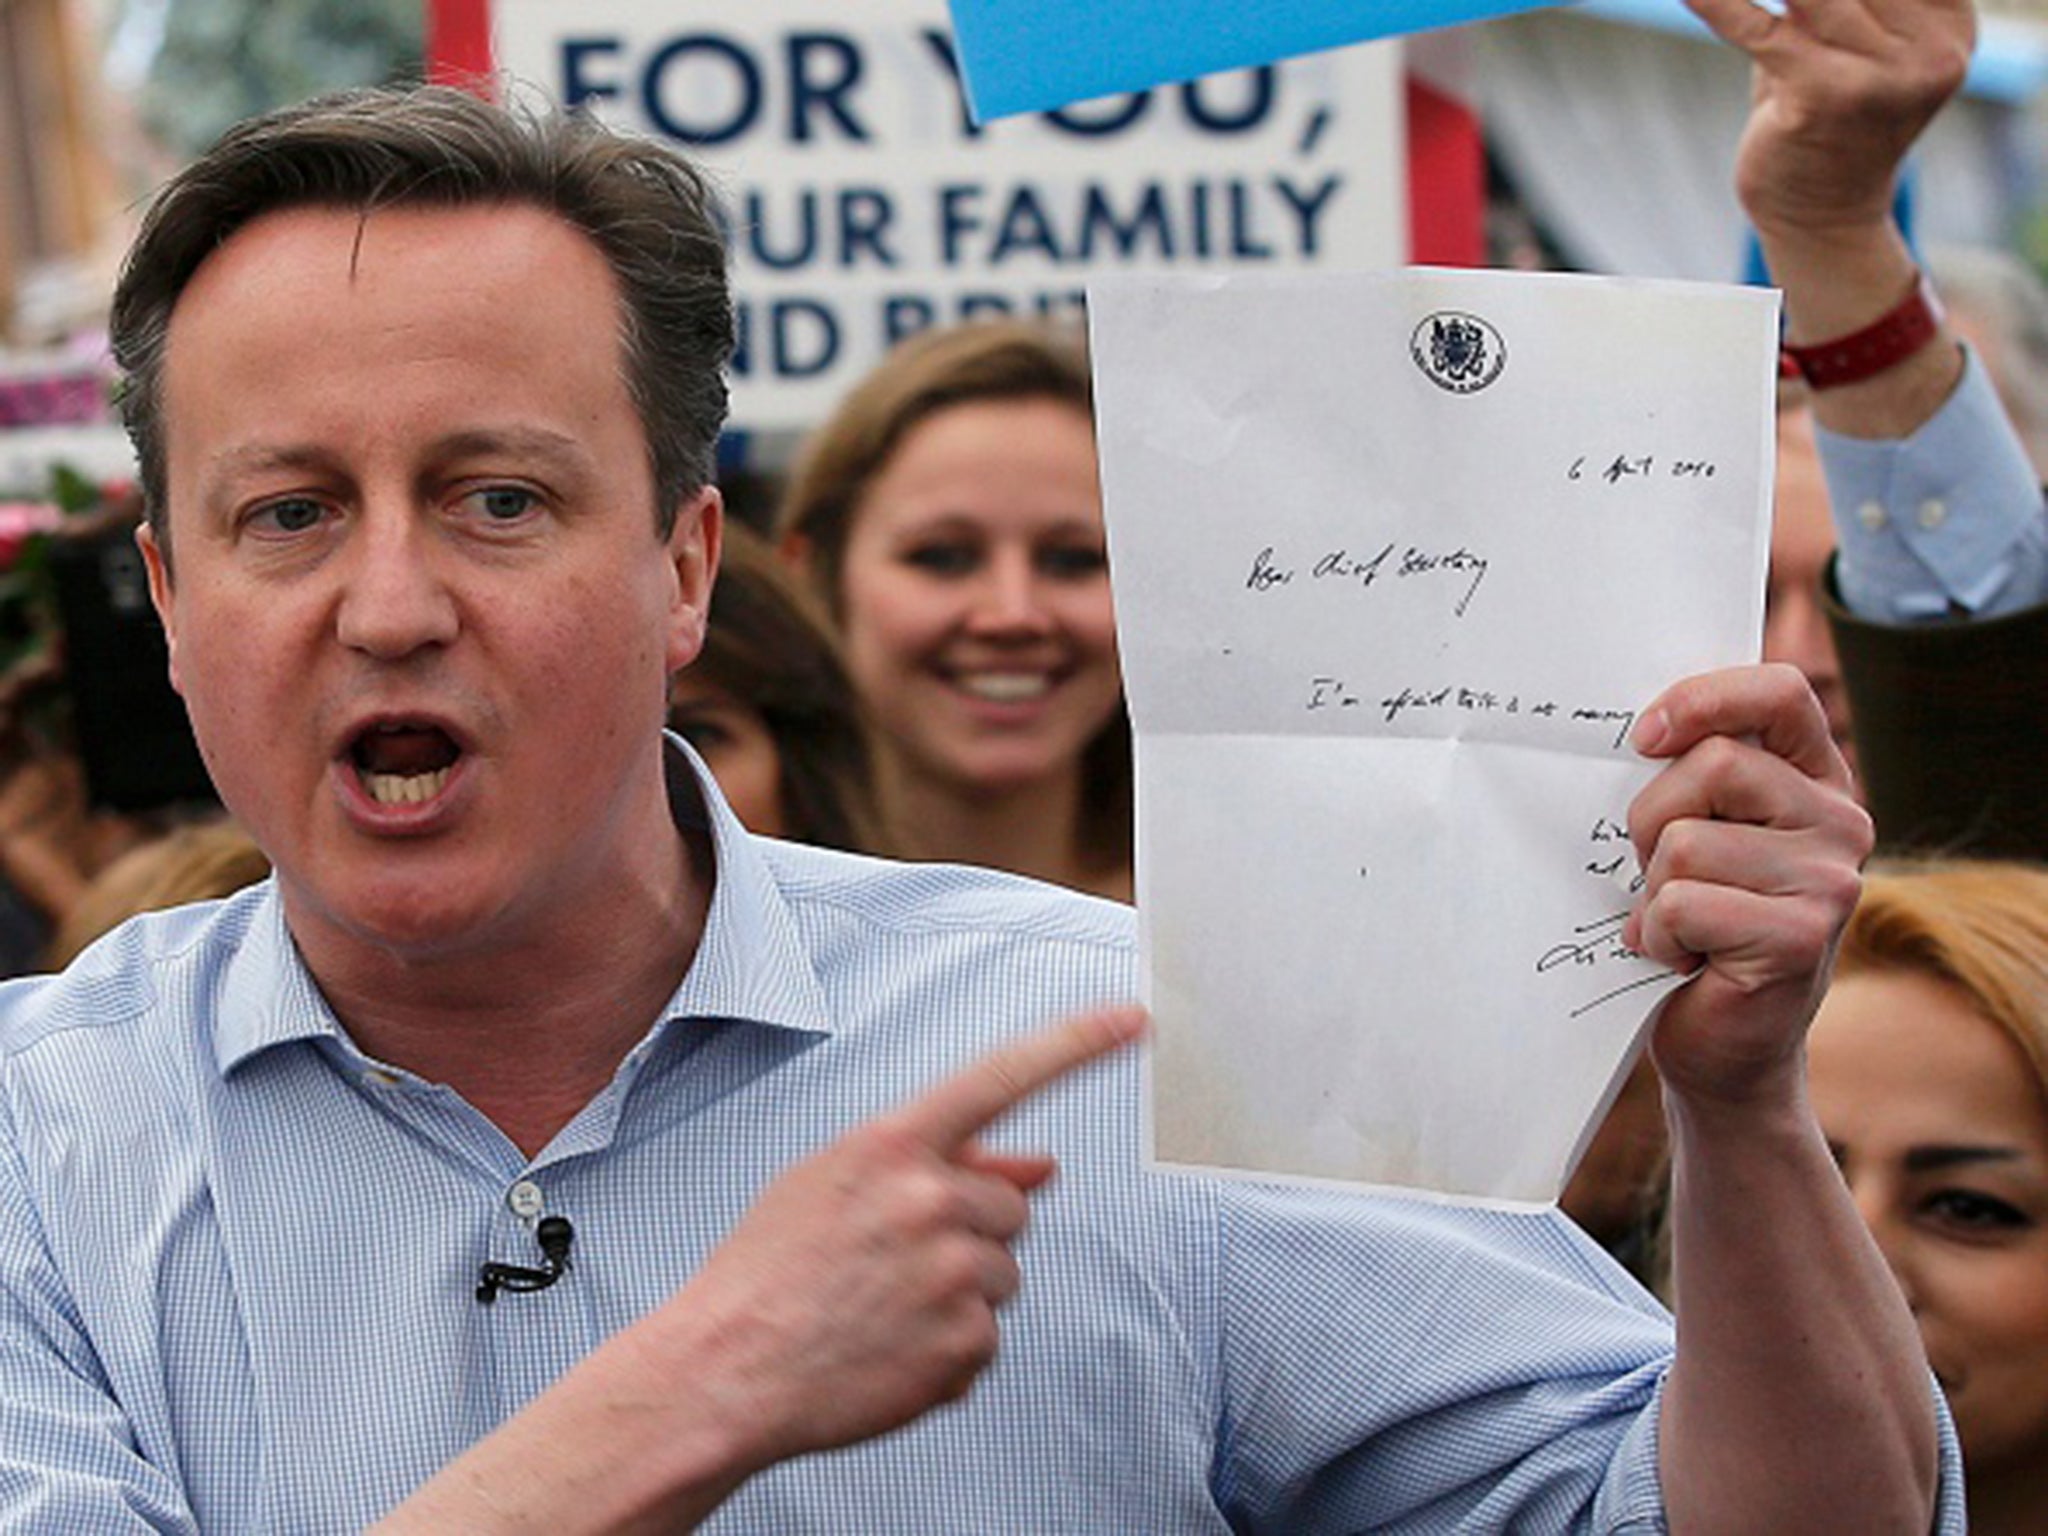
<point x="403" y="763"/>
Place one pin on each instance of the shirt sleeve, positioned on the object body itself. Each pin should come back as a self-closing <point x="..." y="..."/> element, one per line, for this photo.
<point x="68" y="1456"/>
<point x="1946" y="522"/>
<point x="1403" y="1367"/>
<point x="1431" y="1368"/>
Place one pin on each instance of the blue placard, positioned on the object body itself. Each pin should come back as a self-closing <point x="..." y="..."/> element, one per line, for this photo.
<point x="1034" y="55"/>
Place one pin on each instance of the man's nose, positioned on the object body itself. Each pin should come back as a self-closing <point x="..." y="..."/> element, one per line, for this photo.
<point x="394" y="598"/>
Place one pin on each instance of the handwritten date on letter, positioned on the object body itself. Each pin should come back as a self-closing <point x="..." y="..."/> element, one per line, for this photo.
<point x="1637" y="466"/>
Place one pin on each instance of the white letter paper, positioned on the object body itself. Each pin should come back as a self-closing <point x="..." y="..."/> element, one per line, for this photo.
<point x="1397" y="558"/>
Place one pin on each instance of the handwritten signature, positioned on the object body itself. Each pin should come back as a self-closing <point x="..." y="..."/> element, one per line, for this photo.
<point x="1593" y="944"/>
<point x="1589" y="945"/>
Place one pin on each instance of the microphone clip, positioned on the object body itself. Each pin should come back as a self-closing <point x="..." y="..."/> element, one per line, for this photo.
<point x="554" y="1234"/>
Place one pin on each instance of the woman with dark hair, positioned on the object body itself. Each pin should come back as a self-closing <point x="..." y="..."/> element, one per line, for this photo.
<point x="950" y="517"/>
<point x="768" y="707"/>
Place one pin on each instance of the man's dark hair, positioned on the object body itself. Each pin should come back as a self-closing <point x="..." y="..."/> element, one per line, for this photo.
<point x="643" y="205"/>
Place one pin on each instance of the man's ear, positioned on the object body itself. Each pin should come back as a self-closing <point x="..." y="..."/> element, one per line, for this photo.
<point x="160" y="595"/>
<point x="693" y="546"/>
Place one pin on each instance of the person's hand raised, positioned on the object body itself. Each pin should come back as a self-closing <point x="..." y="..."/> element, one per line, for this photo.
<point x="1841" y="89"/>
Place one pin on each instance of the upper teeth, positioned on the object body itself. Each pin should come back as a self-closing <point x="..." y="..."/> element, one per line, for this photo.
<point x="404" y="788"/>
<point x="1005" y="687"/>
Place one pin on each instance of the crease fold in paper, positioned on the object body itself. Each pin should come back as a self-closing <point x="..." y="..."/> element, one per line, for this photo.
<point x="1397" y="559"/>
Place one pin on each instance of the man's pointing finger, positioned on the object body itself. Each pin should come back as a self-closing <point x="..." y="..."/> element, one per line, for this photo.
<point x="960" y="1107"/>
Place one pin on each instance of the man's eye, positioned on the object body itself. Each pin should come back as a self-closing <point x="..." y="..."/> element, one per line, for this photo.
<point x="504" y="503"/>
<point x="295" y="514"/>
<point x="943" y="559"/>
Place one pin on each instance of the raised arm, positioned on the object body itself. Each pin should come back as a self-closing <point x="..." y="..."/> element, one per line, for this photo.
<point x="1939" y="517"/>
<point x="860" y="1291"/>
<point x="1842" y="88"/>
<point x="1799" y="1400"/>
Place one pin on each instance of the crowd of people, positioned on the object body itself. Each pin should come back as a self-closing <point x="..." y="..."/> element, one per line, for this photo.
<point x="522" y="1122"/>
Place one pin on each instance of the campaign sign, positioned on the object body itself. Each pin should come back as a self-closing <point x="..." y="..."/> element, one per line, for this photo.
<point x="864" y="204"/>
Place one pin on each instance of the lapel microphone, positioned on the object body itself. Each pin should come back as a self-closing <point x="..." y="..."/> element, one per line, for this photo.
<point x="554" y="1235"/>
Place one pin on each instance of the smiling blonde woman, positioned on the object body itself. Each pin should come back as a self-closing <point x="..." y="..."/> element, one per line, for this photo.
<point x="1929" y="1071"/>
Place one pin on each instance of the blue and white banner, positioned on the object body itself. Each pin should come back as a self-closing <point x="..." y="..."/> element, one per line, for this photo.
<point x="865" y="204"/>
<point x="1033" y="55"/>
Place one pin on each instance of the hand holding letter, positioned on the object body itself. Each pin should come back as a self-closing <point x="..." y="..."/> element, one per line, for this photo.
<point x="1750" y="842"/>
<point x="1751" y="845"/>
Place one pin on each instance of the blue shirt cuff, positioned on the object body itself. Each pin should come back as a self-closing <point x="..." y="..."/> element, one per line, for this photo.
<point x="1948" y="518"/>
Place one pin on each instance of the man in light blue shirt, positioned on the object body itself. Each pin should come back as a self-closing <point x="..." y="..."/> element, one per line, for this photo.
<point x="264" y="1320"/>
<point x="468" y="1175"/>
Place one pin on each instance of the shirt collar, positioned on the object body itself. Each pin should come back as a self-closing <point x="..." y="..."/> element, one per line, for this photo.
<point x="268" y="997"/>
<point x="751" y="965"/>
<point x="752" y="962"/>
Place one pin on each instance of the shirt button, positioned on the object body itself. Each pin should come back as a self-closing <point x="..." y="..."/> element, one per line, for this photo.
<point x="1932" y="515"/>
<point x="526" y="1199"/>
<point x="1871" y="516"/>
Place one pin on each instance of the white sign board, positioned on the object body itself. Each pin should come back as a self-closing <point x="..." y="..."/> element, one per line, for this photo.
<point x="865" y="206"/>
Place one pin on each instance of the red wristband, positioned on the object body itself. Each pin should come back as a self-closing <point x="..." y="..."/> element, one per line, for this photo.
<point x="1886" y="342"/>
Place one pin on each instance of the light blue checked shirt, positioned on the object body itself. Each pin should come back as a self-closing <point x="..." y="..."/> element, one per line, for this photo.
<point x="237" y="1258"/>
